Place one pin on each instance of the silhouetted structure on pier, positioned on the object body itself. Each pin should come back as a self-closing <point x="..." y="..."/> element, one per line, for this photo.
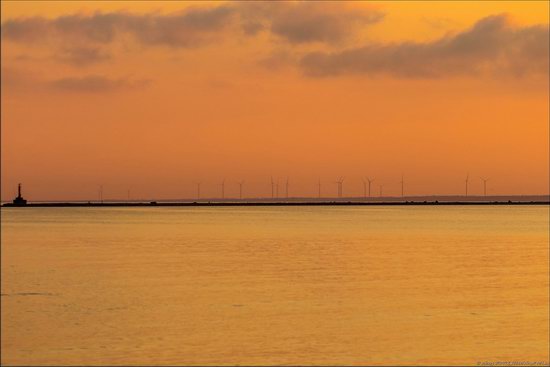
<point x="19" y="199"/>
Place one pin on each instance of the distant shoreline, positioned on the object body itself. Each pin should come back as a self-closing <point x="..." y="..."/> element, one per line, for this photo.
<point x="274" y="203"/>
<point x="301" y="201"/>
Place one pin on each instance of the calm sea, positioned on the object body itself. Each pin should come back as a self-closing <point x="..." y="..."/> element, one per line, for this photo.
<point x="275" y="285"/>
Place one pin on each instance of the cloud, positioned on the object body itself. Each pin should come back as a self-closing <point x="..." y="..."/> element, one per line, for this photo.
<point x="26" y="29"/>
<point x="94" y="84"/>
<point x="189" y="29"/>
<point x="491" y="45"/>
<point x="295" y="22"/>
<point x="82" y="56"/>
<point x="18" y="80"/>
<point x="251" y="28"/>
<point x="306" y="22"/>
<point x="303" y="22"/>
<point x="184" y="29"/>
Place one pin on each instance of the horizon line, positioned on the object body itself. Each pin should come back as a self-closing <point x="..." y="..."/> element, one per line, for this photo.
<point x="394" y="198"/>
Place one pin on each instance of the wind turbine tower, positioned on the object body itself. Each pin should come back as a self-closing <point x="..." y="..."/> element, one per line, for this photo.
<point x="272" y="188"/>
<point x="466" y="181"/>
<point x="340" y="184"/>
<point x="223" y="188"/>
<point x="198" y="190"/>
<point x="381" y="186"/>
<point x="241" y="189"/>
<point x="484" y="185"/>
<point x="370" y="181"/>
<point x="364" y="188"/>
<point x="319" y="186"/>
<point x="402" y="186"/>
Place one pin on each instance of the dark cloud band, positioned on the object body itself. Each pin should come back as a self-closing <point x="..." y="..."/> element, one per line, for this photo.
<point x="293" y="22"/>
<point x="94" y="84"/>
<point x="185" y="29"/>
<point x="491" y="45"/>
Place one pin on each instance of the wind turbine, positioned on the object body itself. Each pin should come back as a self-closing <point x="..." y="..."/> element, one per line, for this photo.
<point x="277" y="188"/>
<point x="364" y="188"/>
<point x="370" y="181"/>
<point x="100" y="193"/>
<point x="467" y="179"/>
<point x="272" y="188"/>
<point x="402" y="186"/>
<point x="484" y="185"/>
<point x="381" y="186"/>
<point x="198" y="190"/>
<point x="223" y="188"/>
<point x="340" y="183"/>
<point x="319" y="186"/>
<point x="241" y="189"/>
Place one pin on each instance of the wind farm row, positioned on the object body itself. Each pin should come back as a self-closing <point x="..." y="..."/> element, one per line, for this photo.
<point x="280" y="189"/>
<point x="277" y="191"/>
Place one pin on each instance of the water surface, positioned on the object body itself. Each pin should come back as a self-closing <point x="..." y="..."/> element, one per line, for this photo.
<point x="275" y="285"/>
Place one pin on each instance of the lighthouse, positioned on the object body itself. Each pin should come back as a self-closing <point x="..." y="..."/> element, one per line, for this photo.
<point x="19" y="199"/>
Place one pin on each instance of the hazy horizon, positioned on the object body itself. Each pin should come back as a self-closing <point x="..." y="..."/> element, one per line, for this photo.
<point x="234" y="196"/>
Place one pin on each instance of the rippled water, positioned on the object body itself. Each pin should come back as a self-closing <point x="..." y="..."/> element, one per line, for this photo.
<point x="275" y="285"/>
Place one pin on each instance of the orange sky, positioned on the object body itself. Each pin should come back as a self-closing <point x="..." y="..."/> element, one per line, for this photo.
<point x="154" y="97"/>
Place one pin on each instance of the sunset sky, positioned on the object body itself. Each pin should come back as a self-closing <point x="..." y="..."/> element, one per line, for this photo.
<point x="153" y="97"/>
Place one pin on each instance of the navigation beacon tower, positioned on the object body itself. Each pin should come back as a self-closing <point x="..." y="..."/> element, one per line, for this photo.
<point x="19" y="199"/>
